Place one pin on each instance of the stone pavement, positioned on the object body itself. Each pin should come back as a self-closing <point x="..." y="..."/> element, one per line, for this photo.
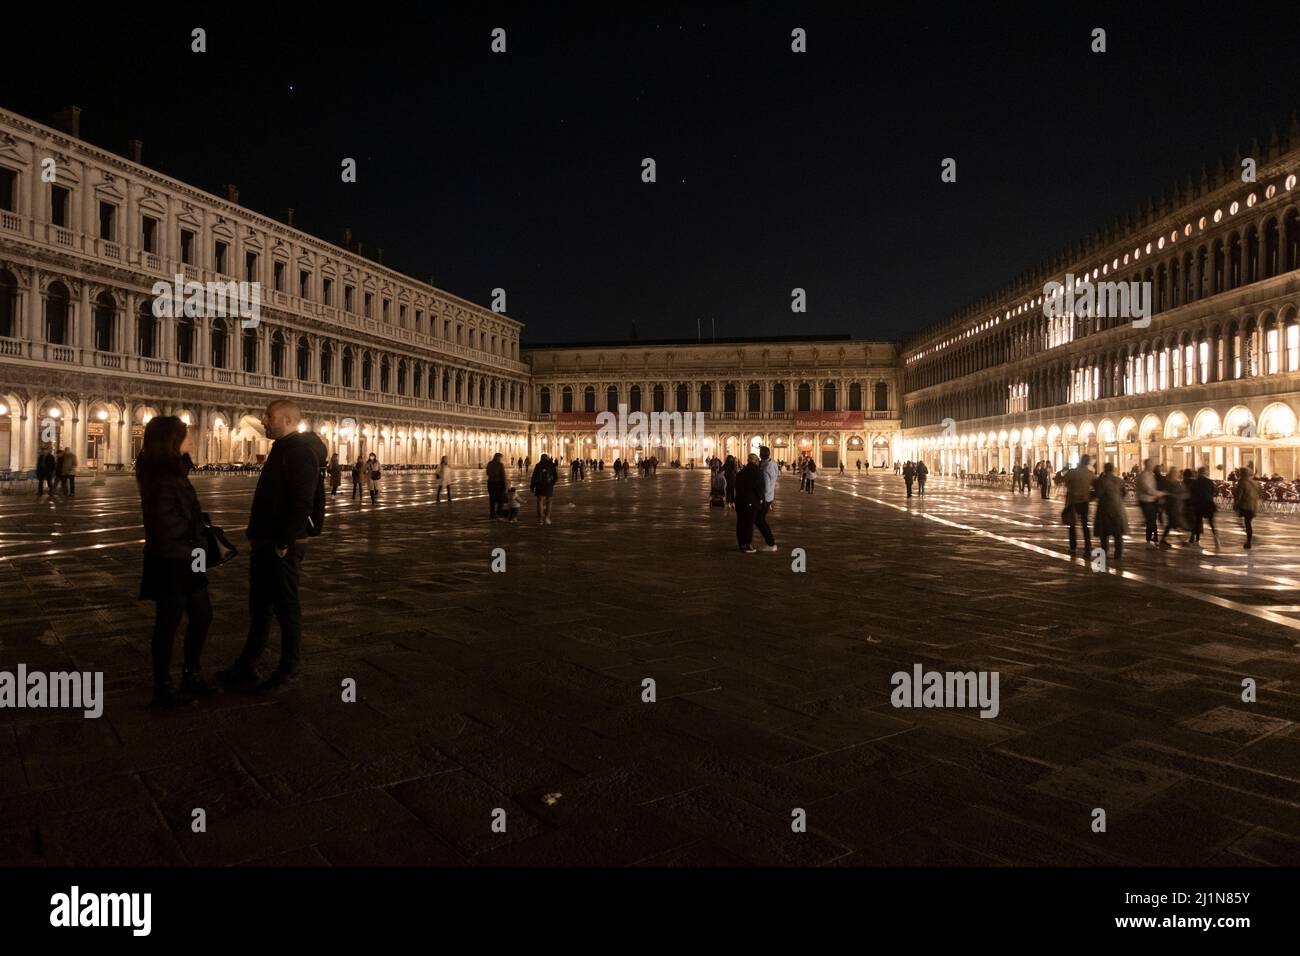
<point x="481" y="690"/>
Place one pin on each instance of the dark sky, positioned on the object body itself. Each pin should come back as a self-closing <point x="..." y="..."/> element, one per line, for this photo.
<point x="775" y="170"/>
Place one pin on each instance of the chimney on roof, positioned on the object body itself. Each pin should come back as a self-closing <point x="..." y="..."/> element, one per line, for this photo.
<point x="288" y="216"/>
<point x="359" y="247"/>
<point x="136" y="150"/>
<point x="347" y="239"/>
<point x="68" y="119"/>
<point x="232" y="192"/>
<point x="379" y="255"/>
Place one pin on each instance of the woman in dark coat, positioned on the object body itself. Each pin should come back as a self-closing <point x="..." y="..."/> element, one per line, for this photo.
<point x="173" y="532"/>
<point x="729" y="470"/>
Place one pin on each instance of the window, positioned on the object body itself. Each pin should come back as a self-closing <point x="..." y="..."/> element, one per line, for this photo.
<point x="683" y="396"/>
<point x="589" y="399"/>
<point x="8" y="305"/>
<point x="187" y="247"/>
<point x="383" y="374"/>
<point x="401" y="315"/>
<point x="345" y="372"/>
<point x="634" y="399"/>
<point x="611" y="399"/>
<point x="105" y="318"/>
<point x="1292" y="347"/>
<point x="220" y="343"/>
<point x="855" y="397"/>
<point x="753" y="399"/>
<point x="729" y="397"/>
<point x="146" y="342"/>
<point x="327" y="290"/>
<point x="277" y="354"/>
<point x="326" y="363"/>
<point x="369" y="305"/>
<point x="8" y="190"/>
<point x="304" y="283"/>
<point x="303" y="359"/>
<point x="805" y="397"/>
<point x="657" y="399"/>
<point x="185" y="340"/>
<point x="544" y="400"/>
<point x="149" y="234"/>
<point x="566" y="399"/>
<point x="706" y="397"/>
<point x="279" y="277"/>
<point x="347" y="298"/>
<point x="830" y="397"/>
<point x="219" y="251"/>
<point x="57" y="303"/>
<point x="778" y="397"/>
<point x="60" y="205"/>
<point x="249" y="349"/>
<point x="385" y="313"/>
<point x="108" y="222"/>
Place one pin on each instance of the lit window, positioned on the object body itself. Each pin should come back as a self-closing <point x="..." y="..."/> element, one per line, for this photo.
<point x="1232" y="210"/>
<point x="1218" y="215"/>
<point x="1251" y="200"/>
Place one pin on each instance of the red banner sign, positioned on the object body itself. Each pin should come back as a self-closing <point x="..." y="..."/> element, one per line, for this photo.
<point x="845" y="420"/>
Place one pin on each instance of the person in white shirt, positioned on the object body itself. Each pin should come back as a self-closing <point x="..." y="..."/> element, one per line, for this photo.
<point x="767" y="468"/>
<point x="1148" y="496"/>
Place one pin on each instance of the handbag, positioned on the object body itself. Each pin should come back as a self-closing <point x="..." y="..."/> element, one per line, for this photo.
<point x="216" y="544"/>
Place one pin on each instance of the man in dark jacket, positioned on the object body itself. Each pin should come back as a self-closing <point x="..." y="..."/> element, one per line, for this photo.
<point x="749" y="496"/>
<point x="496" y="482"/>
<point x="277" y="527"/>
<point x="47" y="468"/>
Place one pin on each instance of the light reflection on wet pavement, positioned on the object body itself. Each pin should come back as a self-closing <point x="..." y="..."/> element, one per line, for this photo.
<point x="482" y="690"/>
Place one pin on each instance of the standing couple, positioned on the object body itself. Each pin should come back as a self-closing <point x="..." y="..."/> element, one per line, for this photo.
<point x="755" y="492"/>
<point x="288" y="507"/>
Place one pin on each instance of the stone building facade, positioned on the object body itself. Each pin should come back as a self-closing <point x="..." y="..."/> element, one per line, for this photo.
<point x="833" y="398"/>
<point x="1211" y="377"/>
<point x="376" y="360"/>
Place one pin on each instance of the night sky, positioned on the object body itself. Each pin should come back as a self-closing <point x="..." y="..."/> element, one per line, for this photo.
<point x="775" y="170"/>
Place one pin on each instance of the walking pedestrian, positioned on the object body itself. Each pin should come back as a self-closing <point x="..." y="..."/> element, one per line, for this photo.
<point x="173" y="537"/>
<point x="374" y="475"/>
<point x="441" y="480"/>
<point x="921" y="473"/>
<point x="1111" y="520"/>
<point x="729" y="470"/>
<point x="1148" y="496"/>
<point x="288" y="507"/>
<point x="47" y="471"/>
<point x="811" y="478"/>
<point x="909" y="475"/>
<point x="335" y="473"/>
<point x="1173" y="499"/>
<point x="749" y="495"/>
<point x="1246" y="497"/>
<point x="1201" y="499"/>
<point x="68" y="472"/>
<point x="358" y="477"/>
<point x="496" y="486"/>
<point x="769" y="471"/>
<point x="542" y="485"/>
<point x="1078" y="492"/>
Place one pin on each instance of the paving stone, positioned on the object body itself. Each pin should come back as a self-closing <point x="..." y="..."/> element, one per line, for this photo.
<point x="480" y="690"/>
